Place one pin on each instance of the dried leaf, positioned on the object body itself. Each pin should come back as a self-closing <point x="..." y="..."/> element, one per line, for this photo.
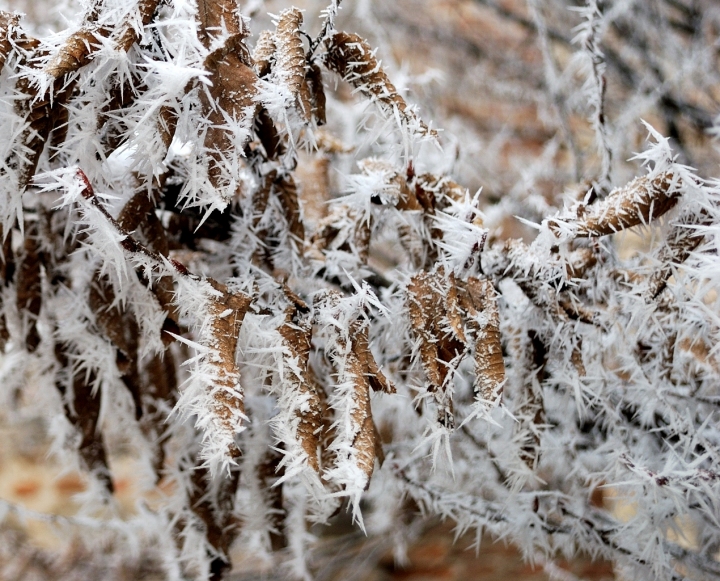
<point x="682" y="239"/>
<point x="29" y="285"/>
<point x="314" y="80"/>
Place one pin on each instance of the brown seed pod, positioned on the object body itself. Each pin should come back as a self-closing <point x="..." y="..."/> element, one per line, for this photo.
<point x="268" y="134"/>
<point x="639" y="202"/>
<point x="347" y="348"/>
<point x="365" y="443"/>
<point x="440" y="352"/>
<point x="489" y="365"/>
<point x="80" y="47"/>
<point x="232" y="90"/>
<point x="290" y="58"/>
<point x="352" y="58"/>
<point x="227" y="313"/>
<point x="378" y="380"/>
<point x="264" y="53"/>
<point x="76" y="52"/>
<point x="231" y="95"/>
<point x="296" y="336"/>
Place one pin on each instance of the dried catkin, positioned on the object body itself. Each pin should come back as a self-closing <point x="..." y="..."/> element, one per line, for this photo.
<point x="290" y="58"/>
<point x="352" y="58"/>
<point x="232" y="84"/>
<point x="264" y="53"/>
<point x="439" y="351"/>
<point x="227" y="312"/>
<point x="364" y="442"/>
<point x="484" y="319"/>
<point x="639" y="202"/>
<point x="297" y="336"/>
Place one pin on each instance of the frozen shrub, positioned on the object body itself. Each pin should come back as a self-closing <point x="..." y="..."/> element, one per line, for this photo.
<point x="199" y="262"/>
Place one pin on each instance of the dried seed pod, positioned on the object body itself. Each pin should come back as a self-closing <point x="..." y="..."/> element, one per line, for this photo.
<point x="42" y="114"/>
<point x="439" y="351"/>
<point x="227" y="312"/>
<point x="231" y="95"/>
<point x="296" y="336"/>
<point x="29" y="285"/>
<point x="484" y="318"/>
<point x="290" y="58"/>
<point x="232" y="89"/>
<point x="80" y="47"/>
<point x="355" y="430"/>
<point x="77" y="51"/>
<point x="639" y="202"/>
<point x="352" y="58"/>
<point x="264" y="53"/>
<point x="453" y="311"/>
<point x="364" y="443"/>
<point x="378" y="380"/>
<point x="139" y="213"/>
